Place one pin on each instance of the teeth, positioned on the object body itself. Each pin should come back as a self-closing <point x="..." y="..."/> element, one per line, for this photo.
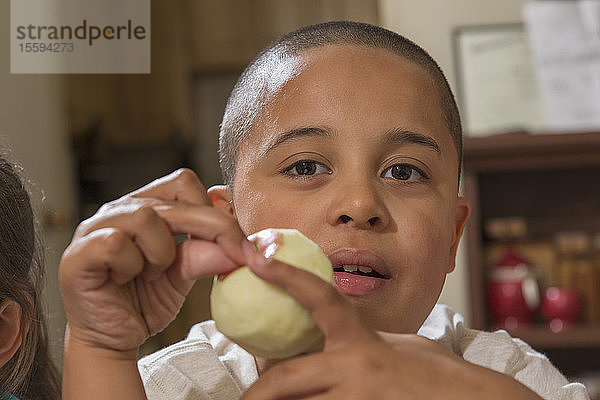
<point x="350" y="268"/>
<point x="354" y="268"/>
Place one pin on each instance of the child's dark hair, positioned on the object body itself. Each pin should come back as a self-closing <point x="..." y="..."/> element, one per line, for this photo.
<point x="251" y="92"/>
<point x="30" y="373"/>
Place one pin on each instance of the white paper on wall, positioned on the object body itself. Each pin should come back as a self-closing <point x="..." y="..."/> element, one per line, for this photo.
<point x="565" y="40"/>
<point x="498" y="81"/>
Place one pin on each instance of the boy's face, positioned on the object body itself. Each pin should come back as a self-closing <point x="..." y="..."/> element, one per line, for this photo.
<point x="354" y="152"/>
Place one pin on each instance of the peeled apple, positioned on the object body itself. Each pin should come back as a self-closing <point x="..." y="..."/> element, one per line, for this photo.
<point x="260" y="317"/>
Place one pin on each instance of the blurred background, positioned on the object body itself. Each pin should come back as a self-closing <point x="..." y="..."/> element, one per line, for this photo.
<point x="531" y="173"/>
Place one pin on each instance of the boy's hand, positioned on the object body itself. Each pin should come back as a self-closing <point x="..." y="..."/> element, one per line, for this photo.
<point x="358" y="363"/>
<point x="122" y="277"/>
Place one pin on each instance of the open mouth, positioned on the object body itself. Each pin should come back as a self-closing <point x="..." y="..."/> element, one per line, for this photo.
<point x="359" y="270"/>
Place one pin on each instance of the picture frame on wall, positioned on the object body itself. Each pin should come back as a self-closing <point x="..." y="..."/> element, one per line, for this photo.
<point x="497" y="83"/>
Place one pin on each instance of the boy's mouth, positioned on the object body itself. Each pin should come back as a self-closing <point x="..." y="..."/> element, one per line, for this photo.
<point x="358" y="272"/>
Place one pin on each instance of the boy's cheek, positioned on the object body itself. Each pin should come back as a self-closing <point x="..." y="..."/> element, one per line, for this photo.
<point x="248" y="203"/>
<point x="431" y="237"/>
<point x="257" y="211"/>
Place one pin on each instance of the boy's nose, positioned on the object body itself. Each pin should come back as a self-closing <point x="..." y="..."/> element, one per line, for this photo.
<point x="360" y="207"/>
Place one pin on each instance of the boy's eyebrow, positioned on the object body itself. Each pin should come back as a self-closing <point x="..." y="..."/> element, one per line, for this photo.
<point x="401" y="136"/>
<point x="297" y="133"/>
<point x="393" y="136"/>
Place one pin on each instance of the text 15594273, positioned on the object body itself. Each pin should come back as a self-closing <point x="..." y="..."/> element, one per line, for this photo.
<point x="50" y="47"/>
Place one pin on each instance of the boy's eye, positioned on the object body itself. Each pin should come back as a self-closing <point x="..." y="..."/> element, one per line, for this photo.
<point x="306" y="168"/>
<point x="404" y="172"/>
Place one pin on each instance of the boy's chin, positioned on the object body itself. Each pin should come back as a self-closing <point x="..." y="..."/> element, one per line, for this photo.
<point x="385" y="320"/>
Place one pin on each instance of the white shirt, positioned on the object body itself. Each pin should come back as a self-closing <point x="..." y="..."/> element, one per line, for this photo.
<point x="207" y="365"/>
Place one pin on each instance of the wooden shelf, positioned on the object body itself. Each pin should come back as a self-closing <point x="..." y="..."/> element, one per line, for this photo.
<point x="550" y="181"/>
<point x="520" y="150"/>
<point x="541" y="337"/>
<point x="509" y="142"/>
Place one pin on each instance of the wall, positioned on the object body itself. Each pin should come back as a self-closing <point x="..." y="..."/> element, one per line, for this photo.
<point x="430" y="23"/>
<point x="34" y="125"/>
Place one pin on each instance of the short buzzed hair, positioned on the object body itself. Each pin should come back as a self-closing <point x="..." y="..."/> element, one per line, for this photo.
<point x="252" y="90"/>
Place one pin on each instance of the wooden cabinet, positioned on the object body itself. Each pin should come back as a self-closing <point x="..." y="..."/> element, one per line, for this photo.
<point x="552" y="182"/>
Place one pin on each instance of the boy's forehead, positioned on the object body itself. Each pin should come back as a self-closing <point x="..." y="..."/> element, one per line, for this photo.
<point x="326" y="65"/>
<point x="370" y="59"/>
<point x="342" y="79"/>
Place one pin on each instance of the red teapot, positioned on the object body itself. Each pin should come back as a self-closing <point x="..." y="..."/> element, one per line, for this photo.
<point x="512" y="291"/>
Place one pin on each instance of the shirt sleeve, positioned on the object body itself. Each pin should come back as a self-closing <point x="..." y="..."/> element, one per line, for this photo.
<point x="503" y="353"/>
<point x="500" y="352"/>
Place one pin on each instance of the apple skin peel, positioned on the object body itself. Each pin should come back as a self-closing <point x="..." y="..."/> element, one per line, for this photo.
<point x="260" y="317"/>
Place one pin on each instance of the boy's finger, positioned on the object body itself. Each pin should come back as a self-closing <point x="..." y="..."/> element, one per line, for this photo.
<point x="195" y="259"/>
<point x="181" y="185"/>
<point x="104" y="253"/>
<point x="152" y="226"/>
<point x="336" y="318"/>
<point x="149" y="232"/>
<point x="206" y="223"/>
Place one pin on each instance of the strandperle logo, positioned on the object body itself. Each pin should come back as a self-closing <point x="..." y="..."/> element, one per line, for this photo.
<point x="80" y="36"/>
<point x="84" y="31"/>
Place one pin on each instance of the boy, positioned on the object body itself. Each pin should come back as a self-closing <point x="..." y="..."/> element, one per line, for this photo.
<point x="350" y="134"/>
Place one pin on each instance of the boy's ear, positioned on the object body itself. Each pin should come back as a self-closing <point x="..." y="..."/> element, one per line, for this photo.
<point x="461" y="215"/>
<point x="221" y="197"/>
<point x="11" y="332"/>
